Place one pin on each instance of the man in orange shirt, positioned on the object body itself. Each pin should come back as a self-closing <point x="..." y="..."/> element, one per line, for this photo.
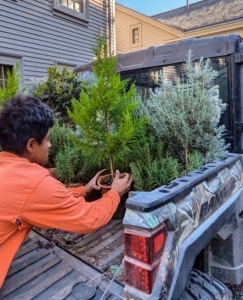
<point x="29" y="195"/>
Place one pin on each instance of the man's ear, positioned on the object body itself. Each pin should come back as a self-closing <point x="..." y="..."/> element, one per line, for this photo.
<point x="30" y="145"/>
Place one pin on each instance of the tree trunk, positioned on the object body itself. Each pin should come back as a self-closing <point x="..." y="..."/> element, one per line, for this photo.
<point x="111" y="166"/>
<point x="111" y="158"/>
<point x="186" y="157"/>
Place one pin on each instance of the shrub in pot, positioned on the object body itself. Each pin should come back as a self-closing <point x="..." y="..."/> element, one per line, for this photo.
<point x="73" y="167"/>
<point x="152" y="166"/>
<point x="185" y="115"/>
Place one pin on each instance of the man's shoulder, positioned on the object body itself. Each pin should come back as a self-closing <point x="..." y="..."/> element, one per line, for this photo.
<point x="18" y="179"/>
<point x="21" y="171"/>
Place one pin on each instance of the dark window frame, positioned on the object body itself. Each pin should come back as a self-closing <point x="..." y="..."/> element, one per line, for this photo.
<point x="137" y="27"/>
<point x="3" y="71"/>
<point x="70" y="14"/>
<point x="135" y="36"/>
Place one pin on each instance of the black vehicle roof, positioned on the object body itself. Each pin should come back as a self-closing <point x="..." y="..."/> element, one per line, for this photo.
<point x="169" y="54"/>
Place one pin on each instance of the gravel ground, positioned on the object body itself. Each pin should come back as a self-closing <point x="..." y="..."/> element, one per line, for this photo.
<point x="237" y="291"/>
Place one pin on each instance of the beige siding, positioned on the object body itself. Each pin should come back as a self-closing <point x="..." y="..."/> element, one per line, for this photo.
<point x="226" y="32"/>
<point x="151" y="35"/>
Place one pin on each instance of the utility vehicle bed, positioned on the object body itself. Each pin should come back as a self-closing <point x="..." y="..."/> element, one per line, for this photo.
<point x="43" y="271"/>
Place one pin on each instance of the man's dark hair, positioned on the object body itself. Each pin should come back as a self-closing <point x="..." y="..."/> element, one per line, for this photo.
<point x="22" y="118"/>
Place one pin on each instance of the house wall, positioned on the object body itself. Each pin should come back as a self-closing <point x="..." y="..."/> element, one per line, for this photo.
<point x="155" y="35"/>
<point x="31" y="34"/>
<point x="239" y="31"/>
<point x="150" y="35"/>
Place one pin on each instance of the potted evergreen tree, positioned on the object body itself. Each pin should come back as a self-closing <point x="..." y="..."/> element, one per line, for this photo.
<point x="105" y="112"/>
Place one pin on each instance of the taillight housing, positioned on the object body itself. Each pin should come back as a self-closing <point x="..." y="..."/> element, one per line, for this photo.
<point x="142" y="256"/>
<point x="140" y="276"/>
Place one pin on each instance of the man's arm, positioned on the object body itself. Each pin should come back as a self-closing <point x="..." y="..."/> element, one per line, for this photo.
<point x="51" y="205"/>
<point x="78" y="191"/>
<point x="84" y="190"/>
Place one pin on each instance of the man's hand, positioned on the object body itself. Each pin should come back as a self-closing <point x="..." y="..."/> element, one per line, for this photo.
<point x="92" y="185"/>
<point x="121" y="185"/>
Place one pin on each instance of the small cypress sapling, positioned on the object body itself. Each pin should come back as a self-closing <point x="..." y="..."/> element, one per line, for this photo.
<point x="104" y="113"/>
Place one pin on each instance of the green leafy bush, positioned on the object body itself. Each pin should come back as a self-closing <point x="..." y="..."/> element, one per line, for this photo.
<point x="154" y="166"/>
<point x="58" y="90"/>
<point x="33" y="85"/>
<point x="195" y="161"/>
<point x="73" y="167"/>
<point x="60" y="138"/>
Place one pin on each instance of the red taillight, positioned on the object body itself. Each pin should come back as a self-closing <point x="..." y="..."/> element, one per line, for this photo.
<point x="142" y="253"/>
<point x="139" y="275"/>
<point x="144" y="246"/>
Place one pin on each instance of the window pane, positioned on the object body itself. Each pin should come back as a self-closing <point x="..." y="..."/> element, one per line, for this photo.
<point x="5" y="68"/>
<point x="3" y="74"/>
<point x="70" y="4"/>
<point x="148" y="78"/>
<point x="222" y="66"/>
<point x="135" y="36"/>
<point x="79" y="5"/>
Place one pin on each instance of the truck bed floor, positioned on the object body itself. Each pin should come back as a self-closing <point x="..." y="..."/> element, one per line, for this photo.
<point x="42" y="271"/>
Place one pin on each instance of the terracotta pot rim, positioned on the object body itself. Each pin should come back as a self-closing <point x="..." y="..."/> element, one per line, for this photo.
<point x="101" y="178"/>
<point x="105" y="177"/>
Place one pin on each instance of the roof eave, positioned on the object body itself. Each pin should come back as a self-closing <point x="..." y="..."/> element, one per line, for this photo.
<point x="209" y="30"/>
<point x="214" y="25"/>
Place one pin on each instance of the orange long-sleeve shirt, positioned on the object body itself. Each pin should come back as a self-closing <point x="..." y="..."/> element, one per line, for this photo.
<point x="30" y="196"/>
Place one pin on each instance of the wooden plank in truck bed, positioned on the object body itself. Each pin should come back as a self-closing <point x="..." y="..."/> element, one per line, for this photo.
<point x="42" y="271"/>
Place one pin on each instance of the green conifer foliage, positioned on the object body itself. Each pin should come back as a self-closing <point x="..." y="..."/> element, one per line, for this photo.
<point x="104" y="112"/>
<point x="186" y="115"/>
<point x="12" y="86"/>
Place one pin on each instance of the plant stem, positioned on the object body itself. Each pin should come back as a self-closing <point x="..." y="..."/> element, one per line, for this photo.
<point x="111" y="166"/>
<point x="107" y="131"/>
